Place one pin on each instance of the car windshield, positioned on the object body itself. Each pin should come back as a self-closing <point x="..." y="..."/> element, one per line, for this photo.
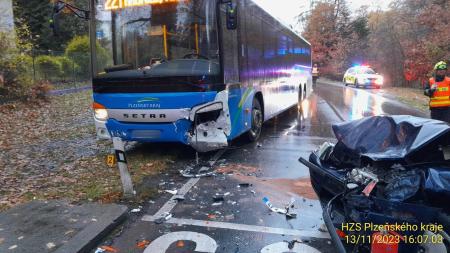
<point x="168" y="35"/>
<point x="366" y="71"/>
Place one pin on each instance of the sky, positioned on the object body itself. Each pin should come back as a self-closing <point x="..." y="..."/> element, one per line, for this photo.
<point x="289" y="9"/>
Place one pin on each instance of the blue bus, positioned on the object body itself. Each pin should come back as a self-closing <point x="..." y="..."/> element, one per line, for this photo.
<point x="199" y="72"/>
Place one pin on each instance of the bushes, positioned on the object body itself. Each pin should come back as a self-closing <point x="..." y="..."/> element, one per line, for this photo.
<point x="78" y="50"/>
<point x="14" y="68"/>
<point x="48" y="67"/>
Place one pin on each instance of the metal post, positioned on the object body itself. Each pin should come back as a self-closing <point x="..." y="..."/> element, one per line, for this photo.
<point x="125" y="177"/>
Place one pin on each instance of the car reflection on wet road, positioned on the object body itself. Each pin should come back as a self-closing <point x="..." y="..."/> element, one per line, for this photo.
<point x="247" y="173"/>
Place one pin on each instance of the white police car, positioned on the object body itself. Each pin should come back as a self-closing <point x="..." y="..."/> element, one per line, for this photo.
<point x="362" y="76"/>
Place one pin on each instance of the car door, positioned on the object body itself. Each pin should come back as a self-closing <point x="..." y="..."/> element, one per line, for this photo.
<point x="350" y="78"/>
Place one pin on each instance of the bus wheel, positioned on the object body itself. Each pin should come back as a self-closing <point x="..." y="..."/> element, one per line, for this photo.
<point x="257" y="121"/>
<point x="300" y="97"/>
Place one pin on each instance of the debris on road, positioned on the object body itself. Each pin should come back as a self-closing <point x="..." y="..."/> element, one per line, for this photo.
<point x="164" y="217"/>
<point x="284" y="211"/>
<point x="173" y="192"/>
<point x="244" y="185"/>
<point x="179" y="198"/>
<point x="142" y="244"/>
<point x="218" y="198"/>
<point x="291" y="244"/>
<point x="136" y="210"/>
<point x="103" y="249"/>
<point x="50" y="245"/>
<point x="197" y="171"/>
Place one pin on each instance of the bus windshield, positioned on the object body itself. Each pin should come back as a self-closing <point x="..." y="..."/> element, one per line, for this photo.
<point x="163" y="38"/>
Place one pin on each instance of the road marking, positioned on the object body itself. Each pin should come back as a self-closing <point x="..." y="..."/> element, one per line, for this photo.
<point x="283" y="247"/>
<point x="242" y="227"/>
<point x="172" y="202"/>
<point x="203" y="243"/>
<point x="335" y="110"/>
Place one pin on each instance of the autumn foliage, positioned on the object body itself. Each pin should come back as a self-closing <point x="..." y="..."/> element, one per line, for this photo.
<point x="403" y="42"/>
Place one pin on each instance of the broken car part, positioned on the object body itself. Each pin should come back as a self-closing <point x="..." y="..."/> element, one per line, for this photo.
<point x="197" y="171"/>
<point x="164" y="217"/>
<point x="284" y="211"/>
<point x="383" y="170"/>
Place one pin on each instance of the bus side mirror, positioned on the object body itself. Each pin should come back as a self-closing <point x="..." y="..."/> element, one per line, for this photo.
<point x="231" y="16"/>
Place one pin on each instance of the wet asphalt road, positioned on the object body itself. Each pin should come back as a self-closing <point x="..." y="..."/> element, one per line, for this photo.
<point x="242" y="223"/>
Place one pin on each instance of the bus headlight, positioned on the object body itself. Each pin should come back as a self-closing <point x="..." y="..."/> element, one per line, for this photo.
<point x="100" y="112"/>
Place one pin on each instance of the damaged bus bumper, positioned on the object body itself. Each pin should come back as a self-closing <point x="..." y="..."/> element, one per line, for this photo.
<point x="211" y="124"/>
<point x="205" y="127"/>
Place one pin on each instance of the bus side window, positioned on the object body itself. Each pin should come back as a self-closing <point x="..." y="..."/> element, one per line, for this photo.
<point x="230" y="50"/>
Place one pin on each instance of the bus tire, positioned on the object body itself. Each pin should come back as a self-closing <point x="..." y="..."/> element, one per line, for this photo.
<point x="257" y="120"/>
<point x="300" y="97"/>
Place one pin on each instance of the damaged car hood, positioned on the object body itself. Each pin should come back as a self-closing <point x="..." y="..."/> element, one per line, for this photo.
<point x="393" y="138"/>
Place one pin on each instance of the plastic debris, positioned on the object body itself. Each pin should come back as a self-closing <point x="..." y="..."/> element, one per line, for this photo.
<point x="229" y="217"/>
<point x="106" y="249"/>
<point x="253" y="192"/>
<point x="284" y="211"/>
<point x="291" y="244"/>
<point x="50" y="245"/>
<point x="179" y="197"/>
<point x="173" y="192"/>
<point x="164" y="217"/>
<point x="136" y="210"/>
<point x="217" y="203"/>
<point x="142" y="244"/>
<point x="197" y="171"/>
<point x="218" y="198"/>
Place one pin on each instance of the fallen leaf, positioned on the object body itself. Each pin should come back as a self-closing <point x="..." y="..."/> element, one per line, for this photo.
<point x="109" y="249"/>
<point x="180" y="244"/>
<point x="142" y="244"/>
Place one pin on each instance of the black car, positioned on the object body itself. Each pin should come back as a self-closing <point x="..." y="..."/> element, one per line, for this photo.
<point x="385" y="185"/>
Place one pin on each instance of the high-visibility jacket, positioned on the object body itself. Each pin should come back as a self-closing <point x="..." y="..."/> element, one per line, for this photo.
<point x="315" y="71"/>
<point x="441" y="97"/>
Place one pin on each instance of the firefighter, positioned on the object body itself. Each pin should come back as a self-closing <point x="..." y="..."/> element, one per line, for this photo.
<point x="438" y="89"/>
<point x="315" y="73"/>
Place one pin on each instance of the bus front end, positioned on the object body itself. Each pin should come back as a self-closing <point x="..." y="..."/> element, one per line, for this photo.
<point x="158" y="75"/>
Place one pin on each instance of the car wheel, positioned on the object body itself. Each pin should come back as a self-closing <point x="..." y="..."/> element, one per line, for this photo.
<point x="356" y="83"/>
<point x="344" y="82"/>
<point x="257" y="121"/>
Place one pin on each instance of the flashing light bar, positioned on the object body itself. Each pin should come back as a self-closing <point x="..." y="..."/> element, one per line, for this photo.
<point x="121" y="4"/>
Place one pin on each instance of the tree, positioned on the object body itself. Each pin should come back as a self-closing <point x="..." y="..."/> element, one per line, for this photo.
<point x="36" y="14"/>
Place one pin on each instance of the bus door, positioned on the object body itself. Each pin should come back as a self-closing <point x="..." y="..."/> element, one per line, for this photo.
<point x="230" y="51"/>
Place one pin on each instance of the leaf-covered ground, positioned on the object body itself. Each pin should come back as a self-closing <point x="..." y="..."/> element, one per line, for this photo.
<point x="48" y="150"/>
<point x="411" y="96"/>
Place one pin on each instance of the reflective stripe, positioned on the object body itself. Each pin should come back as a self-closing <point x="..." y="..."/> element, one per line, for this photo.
<point x="440" y="98"/>
<point x="439" y="104"/>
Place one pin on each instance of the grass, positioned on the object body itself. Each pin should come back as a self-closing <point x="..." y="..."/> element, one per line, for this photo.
<point x="60" y="134"/>
<point x="410" y="96"/>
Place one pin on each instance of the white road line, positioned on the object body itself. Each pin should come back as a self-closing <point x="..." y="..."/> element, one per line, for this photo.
<point x="243" y="227"/>
<point x="171" y="203"/>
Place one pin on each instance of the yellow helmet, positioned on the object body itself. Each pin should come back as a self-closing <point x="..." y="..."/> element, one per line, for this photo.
<point x="442" y="65"/>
